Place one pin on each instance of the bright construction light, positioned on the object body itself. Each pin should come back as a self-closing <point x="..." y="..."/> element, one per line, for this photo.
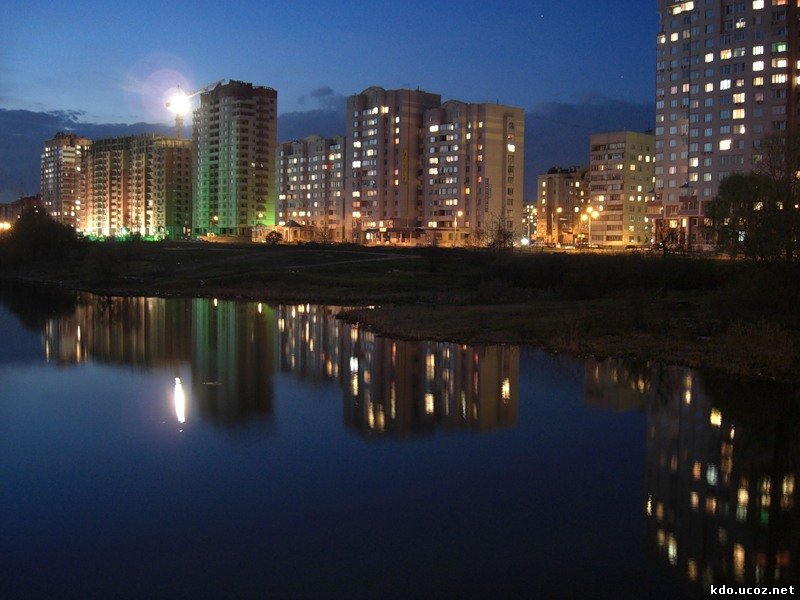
<point x="524" y="241"/>
<point x="179" y="103"/>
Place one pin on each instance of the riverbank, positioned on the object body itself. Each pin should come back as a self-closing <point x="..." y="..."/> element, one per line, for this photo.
<point x="725" y="315"/>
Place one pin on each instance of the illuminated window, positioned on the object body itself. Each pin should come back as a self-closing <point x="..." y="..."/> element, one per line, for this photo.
<point x="758" y="65"/>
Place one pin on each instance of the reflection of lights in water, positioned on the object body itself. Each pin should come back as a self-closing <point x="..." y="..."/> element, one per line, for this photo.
<point x="216" y="302"/>
<point x="79" y="333"/>
<point x="673" y="550"/>
<point x="354" y="384"/>
<point x="687" y="396"/>
<point x="353" y="364"/>
<point x="715" y="418"/>
<point x="506" y="389"/>
<point x="260" y="308"/>
<point x="649" y="506"/>
<point x="429" y="403"/>
<point x="180" y="401"/>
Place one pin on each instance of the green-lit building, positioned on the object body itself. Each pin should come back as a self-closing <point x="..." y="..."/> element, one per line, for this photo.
<point x="234" y="135"/>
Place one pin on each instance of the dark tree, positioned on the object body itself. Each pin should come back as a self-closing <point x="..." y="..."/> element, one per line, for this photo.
<point x="757" y="215"/>
<point x="37" y="236"/>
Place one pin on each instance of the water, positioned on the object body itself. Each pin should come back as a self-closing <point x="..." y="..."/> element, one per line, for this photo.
<point x="201" y="448"/>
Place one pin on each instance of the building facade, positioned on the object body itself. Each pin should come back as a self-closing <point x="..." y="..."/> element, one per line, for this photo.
<point x="621" y="173"/>
<point x="383" y="170"/>
<point x="311" y="189"/>
<point x="139" y="185"/>
<point x="473" y="170"/>
<point x="561" y="198"/>
<point x="63" y="182"/>
<point x="726" y="77"/>
<point x="234" y="134"/>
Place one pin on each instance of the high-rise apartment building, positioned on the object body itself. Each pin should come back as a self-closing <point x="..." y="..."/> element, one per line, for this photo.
<point x="234" y="134"/>
<point x="621" y="174"/>
<point x="311" y="188"/>
<point x="472" y="171"/>
<point x="139" y="185"/>
<point x="561" y="198"/>
<point x="384" y="166"/>
<point x="63" y="184"/>
<point x="726" y="76"/>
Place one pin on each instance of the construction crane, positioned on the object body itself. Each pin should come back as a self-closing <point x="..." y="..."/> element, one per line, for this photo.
<point x="179" y="103"/>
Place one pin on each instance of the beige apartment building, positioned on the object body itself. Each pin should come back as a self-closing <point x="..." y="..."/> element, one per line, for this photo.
<point x="235" y="138"/>
<point x="139" y="185"/>
<point x="621" y="174"/>
<point x="63" y="181"/>
<point x="311" y="189"/>
<point x="561" y="199"/>
<point x="472" y="171"/>
<point x="384" y="165"/>
<point x="726" y="76"/>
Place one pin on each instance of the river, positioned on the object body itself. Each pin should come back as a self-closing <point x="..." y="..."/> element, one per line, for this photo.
<point x="156" y="447"/>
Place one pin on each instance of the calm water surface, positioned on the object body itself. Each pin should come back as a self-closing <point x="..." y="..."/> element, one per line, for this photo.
<point x="199" y="448"/>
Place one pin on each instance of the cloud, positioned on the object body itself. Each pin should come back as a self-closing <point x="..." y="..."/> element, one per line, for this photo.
<point x="324" y="98"/>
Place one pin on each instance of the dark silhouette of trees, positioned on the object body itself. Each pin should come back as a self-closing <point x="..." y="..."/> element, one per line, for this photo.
<point x="36" y="236"/>
<point x="757" y="215"/>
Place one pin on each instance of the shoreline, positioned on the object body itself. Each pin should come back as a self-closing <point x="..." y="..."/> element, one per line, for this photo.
<point x="427" y="321"/>
<point x="686" y="311"/>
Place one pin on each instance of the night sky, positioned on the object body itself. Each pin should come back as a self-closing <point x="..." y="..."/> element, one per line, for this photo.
<point x="114" y="61"/>
<point x="101" y="57"/>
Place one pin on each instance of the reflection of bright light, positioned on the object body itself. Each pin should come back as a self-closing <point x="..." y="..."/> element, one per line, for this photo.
<point x="260" y="308"/>
<point x="715" y="418"/>
<point x="506" y="389"/>
<point x="429" y="403"/>
<point x="353" y="364"/>
<point x="180" y="401"/>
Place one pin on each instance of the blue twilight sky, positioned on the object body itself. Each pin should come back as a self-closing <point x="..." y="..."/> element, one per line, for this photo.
<point x="115" y="59"/>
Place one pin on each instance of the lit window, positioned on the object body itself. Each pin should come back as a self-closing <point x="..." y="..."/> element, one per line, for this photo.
<point x="758" y="65"/>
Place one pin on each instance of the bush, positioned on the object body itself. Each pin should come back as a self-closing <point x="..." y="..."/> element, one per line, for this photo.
<point x="36" y="236"/>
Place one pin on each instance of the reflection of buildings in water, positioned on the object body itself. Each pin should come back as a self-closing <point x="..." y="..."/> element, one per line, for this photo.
<point x="399" y="387"/>
<point x="616" y="384"/>
<point x="232" y="358"/>
<point x="722" y="483"/>
<point x="228" y="345"/>
<point x="143" y="332"/>
<point x="310" y="341"/>
<point x="402" y="387"/>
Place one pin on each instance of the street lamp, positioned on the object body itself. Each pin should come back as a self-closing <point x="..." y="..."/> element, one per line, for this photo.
<point x="591" y="215"/>
<point x="455" y="225"/>
<point x="553" y="221"/>
<point x="357" y="226"/>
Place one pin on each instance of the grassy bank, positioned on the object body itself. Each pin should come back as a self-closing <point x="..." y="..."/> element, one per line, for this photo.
<point x="727" y="315"/>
